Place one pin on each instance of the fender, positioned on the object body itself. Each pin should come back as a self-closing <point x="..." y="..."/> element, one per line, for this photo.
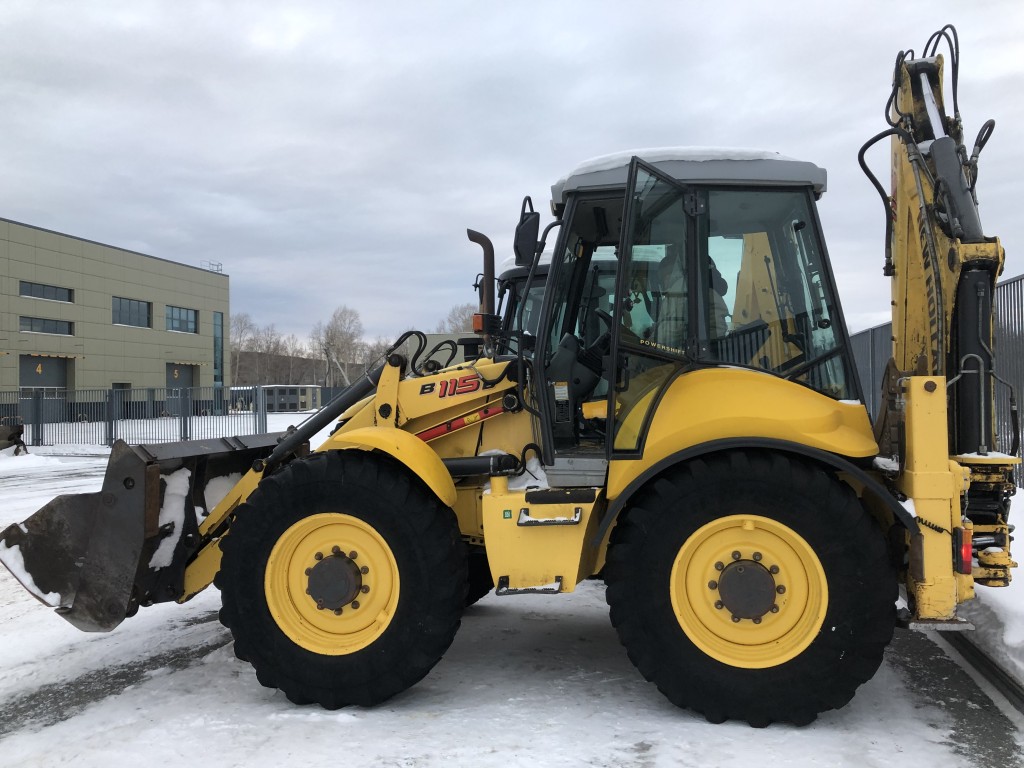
<point x="871" y="486"/>
<point x="404" y="447"/>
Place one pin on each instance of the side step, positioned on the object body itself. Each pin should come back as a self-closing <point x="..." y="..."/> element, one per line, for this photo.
<point x="541" y="589"/>
<point x="907" y="621"/>
<point x="526" y="520"/>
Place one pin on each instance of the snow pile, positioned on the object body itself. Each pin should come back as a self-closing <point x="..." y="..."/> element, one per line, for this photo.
<point x="14" y="562"/>
<point x="533" y="477"/>
<point x="885" y="464"/>
<point x="11" y="463"/>
<point x="660" y="154"/>
<point x="70" y="449"/>
<point x="998" y="617"/>
<point x="218" y="488"/>
<point x="171" y="513"/>
<point x="998" y="612"/>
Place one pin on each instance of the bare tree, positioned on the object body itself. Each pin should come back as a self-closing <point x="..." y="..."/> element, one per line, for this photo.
<point x="262" y="355"/>
<point x="459" y="320"/>
<point x="296" y="367"/>
<point x="267" y="345"/>
<point x="373" y="351"/>
<point x="242" y="330"/>
<point x="338" y="344"/>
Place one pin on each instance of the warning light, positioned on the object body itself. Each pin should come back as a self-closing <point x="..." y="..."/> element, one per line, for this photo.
<point x="962" y="550"/>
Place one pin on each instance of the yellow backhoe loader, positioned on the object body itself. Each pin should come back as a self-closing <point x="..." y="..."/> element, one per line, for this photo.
<point x="676" y="412"/>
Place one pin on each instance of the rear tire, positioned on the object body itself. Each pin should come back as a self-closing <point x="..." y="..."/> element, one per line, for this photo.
<point x="342" y="579"/>
<point x="751" y="586"/>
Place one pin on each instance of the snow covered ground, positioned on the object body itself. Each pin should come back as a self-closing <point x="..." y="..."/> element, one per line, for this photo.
<point x="530" y="681"/>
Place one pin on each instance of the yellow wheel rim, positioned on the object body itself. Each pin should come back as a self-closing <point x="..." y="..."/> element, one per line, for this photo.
<point x="331" y="584"/>
<point x="749" y="591"/>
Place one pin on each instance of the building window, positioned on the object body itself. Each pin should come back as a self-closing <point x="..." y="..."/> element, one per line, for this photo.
<point x="218" y="348"/>
<point x="183" y="320"/>
<point x="45" y="325"/>
<point x="41" y="291"/>
<point x="132" y="312"/>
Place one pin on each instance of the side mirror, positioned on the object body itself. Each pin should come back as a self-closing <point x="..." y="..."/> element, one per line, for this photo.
<point x="525" y="245"/>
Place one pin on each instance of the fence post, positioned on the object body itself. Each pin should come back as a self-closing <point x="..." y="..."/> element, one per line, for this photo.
<point x="37" y="417"/>
<point x="183" y="413"/>
<point x="261" y="410"/>
<point x="111" y="436"/>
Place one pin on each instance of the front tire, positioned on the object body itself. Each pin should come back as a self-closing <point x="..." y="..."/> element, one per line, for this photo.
<point x="751" y="586"/>
<point x="481" y="583"/>
<point x="342" y="579"/>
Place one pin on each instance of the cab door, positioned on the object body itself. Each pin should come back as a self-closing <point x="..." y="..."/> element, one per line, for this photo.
<point x="656" y="318"/>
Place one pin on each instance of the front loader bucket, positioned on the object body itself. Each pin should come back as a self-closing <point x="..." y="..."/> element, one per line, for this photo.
<point x="95" y="557"/>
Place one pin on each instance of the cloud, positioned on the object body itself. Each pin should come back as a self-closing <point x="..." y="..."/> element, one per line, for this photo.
<point x="334" y="153"/>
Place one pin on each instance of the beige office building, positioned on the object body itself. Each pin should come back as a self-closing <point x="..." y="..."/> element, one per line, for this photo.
<point x="75" y="314"/>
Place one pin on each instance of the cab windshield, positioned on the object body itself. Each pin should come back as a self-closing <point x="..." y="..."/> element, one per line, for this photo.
<point x="752" y="257"/>
<point x="766" y="299"/>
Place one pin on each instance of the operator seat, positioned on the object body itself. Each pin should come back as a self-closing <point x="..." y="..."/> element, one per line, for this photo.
<point x="670" y="328"/>
<point x="672" y="306"/>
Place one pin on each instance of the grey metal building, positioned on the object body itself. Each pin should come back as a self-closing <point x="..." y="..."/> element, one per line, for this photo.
<point x="76" y="314"/>
<point x="872" y="349"/>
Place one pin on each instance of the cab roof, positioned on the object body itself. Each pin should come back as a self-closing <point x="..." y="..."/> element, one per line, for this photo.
<point x="707" y="165"/>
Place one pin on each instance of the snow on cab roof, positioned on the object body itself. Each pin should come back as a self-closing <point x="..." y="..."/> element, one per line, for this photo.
<point x="693" y="164"/>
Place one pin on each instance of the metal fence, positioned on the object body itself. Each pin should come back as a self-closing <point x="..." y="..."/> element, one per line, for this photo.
<point x="873" y="348"/>
<point x="151" y="415"/>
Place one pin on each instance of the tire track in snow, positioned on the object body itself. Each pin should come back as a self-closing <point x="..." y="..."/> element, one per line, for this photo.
<point x="55" y="702"/>
<point x="979" y="730"/>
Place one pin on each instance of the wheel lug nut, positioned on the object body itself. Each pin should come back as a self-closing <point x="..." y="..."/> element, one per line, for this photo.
<point x="365" y="588"/>
<point x="719" y="566"/>
<point x="337" y="611"/>
<point x="318" y="556"/>
<point x="319" y="605"/>
<point x="735" y="619"/>
<point x="774" y="569"/>
<point x="712" y="584"/>
<point x="355" y="603"/>
<point x="364" y="570"/>
<point x="353" y="555"/>
<point x="757" y="557"/>
<point x="780" y="589"/>
<point x="336" y="550"/>
<point x="775" y="609"/>
<point x="757" y="619"/>
<point x="309" y="571"/>
<point x="736" y="555"/>
<point x="719" y="604"/>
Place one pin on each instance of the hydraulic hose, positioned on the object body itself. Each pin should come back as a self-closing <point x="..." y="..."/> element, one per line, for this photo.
<point x="318" y="421"/>
<point x="888" y="269"/>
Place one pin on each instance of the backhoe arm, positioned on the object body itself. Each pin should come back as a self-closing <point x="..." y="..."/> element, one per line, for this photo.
<point x="943" y="271"/>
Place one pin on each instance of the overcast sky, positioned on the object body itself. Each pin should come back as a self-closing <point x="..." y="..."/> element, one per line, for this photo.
<point x="331" y="153"/>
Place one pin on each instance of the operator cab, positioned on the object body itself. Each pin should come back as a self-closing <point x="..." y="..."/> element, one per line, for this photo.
<point x="720" y="263"/>
<point x="517" y="293"/>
